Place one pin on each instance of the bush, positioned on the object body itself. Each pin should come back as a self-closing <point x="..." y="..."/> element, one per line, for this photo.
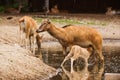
<point x="2" y="9"/>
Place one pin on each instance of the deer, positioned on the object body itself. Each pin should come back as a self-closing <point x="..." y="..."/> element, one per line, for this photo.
<point x="29" y="26"/>
<point x="13" y="10"/>
<point x="55" y="9"/>
<point x="111" y="11"/>
<point x="76" y="52"/>
<point x="74" y="35"/>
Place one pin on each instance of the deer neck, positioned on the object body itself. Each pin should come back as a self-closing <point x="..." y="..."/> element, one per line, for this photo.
<point x="57" y="32"/>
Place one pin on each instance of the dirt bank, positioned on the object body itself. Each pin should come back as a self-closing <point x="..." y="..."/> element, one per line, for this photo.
<point x="17" y="63"/>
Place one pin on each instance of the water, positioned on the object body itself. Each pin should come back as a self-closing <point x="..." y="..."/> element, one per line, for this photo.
<point x="79" y="71"/>
<point x="54" y="57"/>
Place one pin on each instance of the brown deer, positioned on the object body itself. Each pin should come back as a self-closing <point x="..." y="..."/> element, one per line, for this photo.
<point x="76" y="52"/>
<point x="13" y="10"/>
<point x="28" y="26"/>
<point x="39" y="41"/>
<point x="55" y="9"/>
<point x="74" y="35"/>
<point x="112" y="12"/>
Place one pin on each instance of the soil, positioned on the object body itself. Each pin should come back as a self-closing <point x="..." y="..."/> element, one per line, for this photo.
<point x="20" y="64"/>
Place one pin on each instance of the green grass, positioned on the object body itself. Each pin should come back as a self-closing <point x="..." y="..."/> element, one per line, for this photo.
<point x="65" y="21"/>
<point x="75" y="22"/>
<point x="88" y="22"/>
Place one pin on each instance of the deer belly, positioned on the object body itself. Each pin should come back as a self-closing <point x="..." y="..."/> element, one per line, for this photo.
<point x="84" y="44"/>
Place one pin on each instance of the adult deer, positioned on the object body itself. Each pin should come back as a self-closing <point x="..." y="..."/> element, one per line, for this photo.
<point x="74" y="35"/>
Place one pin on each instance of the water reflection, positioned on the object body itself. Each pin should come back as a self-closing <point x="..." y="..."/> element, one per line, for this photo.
<point x="95" y="73"/>
<point x="77" y="75"/>
<point x="91" y="72"/>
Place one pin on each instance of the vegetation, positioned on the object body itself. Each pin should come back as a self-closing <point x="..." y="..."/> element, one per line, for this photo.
<point x="2" y="9"/>
<point x="13" y="4"/>
<point x="76" y="22"/>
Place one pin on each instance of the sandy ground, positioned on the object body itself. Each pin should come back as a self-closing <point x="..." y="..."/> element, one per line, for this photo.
<point x="19" y="64"/>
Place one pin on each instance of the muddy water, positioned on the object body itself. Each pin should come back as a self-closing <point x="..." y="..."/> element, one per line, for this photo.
<point x="52" y="55"/>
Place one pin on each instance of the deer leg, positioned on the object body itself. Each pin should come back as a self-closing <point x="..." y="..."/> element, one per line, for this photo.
<point x="64" y="51"/>
<point x="101" y="56"/>
<point x="86" y="67"/>
<point x="66" y="72"/>
<point x="30" y="42"/>
<point x="86" y="61"/>
<point x="72" y="60"/>
<point x="98" y="51"/>
<point x="27" y="38"/>
<point x="20" y="42"/>
<point x="26" y="43"/>
<point x="38" y="41"/>
<point x="66" y="58"/>
<point x="20" y="32"/>
<point x="34" y="41"/>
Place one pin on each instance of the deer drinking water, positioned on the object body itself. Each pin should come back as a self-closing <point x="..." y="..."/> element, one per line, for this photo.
<point x="74" y="35"/>
<point x="29" y="27"/>
<point x="76" y="52"/>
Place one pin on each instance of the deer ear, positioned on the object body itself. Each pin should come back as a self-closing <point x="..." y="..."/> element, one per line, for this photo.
<point x="21" y="20"/>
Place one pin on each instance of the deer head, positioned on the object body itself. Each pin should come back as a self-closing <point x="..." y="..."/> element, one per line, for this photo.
<point x="45" y="25"/>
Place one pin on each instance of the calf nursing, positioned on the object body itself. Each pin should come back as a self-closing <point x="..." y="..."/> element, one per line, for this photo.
<point x="29" y="27"/>
<point x="74" y="35"/>
<point x="76" y="52"/>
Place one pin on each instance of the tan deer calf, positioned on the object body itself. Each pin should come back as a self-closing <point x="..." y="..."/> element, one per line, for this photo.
<point x="29" y="27"/>
<point x="76" y="52"/>
<point x="74" y="35"/>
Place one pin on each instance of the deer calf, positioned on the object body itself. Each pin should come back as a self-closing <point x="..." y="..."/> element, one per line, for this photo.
<point x="76" y="52"/>
<point x="29" y="27"/>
